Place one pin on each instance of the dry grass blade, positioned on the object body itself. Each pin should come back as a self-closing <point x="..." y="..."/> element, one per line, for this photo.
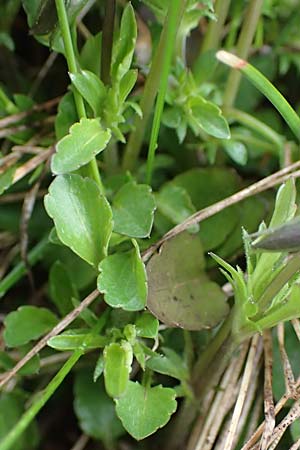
<point x="32" y="164"/>
<point x="31" y="149"/>
<point x="258" y="432"/>
<point x="287" y="369"/>
<point x="19" y="196"/>
<point x="292" y="415"/>
<point x="81" y="442"/>
<point x="243" y="392"/>
<point x="54" y="332"/>
<point x="255" y="415"/>
<point x="296" y="325"/>
<point x="251" y="395"/>
<point x="268" y="392"/>
<point x="27" y="210"/>
<point x="203" y="437"/>
<point x="14" y="118"/>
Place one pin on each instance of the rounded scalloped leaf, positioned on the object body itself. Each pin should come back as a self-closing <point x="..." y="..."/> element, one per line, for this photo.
<point x="143" y="410"/>
<point x="82" y="216"/>
<point x="85" y="140"/>
<point x="179" y="292"/>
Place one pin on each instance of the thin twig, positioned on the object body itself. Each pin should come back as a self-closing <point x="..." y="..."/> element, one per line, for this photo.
<point x="289" y="378"/>
<point x="268" y="392"/>
<point x="81" y="442"/>
<point x="19" y="196"/>
<point x="205" y="435"/>
<point x="262" y="185"/>
<point x="69" y="318"/>
<point x="19" y="116"/>
<point x="279" y="431"/>
<point x="243" y="392"/>
<point x="258" y="432"/>
<point x="32" y="164"/>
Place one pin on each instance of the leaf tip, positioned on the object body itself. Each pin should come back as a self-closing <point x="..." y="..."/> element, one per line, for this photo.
<point x="230" y="59"/>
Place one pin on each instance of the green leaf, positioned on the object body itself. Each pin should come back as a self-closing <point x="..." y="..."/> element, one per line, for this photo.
<point x="288" y="309"/>
<point x="267" y="265"/>
<point x="11" y="410"/>
<point x="6" y="179"/>
<point x="61" y="288"/>
<point x="74" y="339"/>
<point x="90" y="55"/>
<point x="147" y="326"/>
<point x="205" y="187"/>
<point x="175" y="203"/>
<point x="91" y="88"/>
<point x="99" y="368"/>
<point x="143" y="410"/>
<point x="237" y="151"/>
<point x="117" y="367"/>
<point x="95" y="410"/>
<point x="86" y="139"/>
<point x="133" y="210"/>
<point x="171" y="364"/>
<point x="82" y="216"/>
<point x="27" y="323"/>
<point x="122" y="280"/>
<point x="66" y="115"/>
<point x="123" y="49"/>
<point x="126" y="85"/>
<point x="209" y="118"/>
<point x="179" y="292"/>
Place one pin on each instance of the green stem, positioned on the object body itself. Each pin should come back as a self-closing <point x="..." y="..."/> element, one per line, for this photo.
<point x="72" y="66"/>
<point x="292" y="266"/>
<point x="150" y="89"/>
<point x="212" y="349"/>
<point x="10" y="439"/>
<point x="20" y="270"/>
<point x="171" y="29"/>
<point x="107" y="40"/>
<point x="242" y="49"/>
<point x="255" y="124"/>
<point x="265" y="87"/>
<point x="214" y="32"/>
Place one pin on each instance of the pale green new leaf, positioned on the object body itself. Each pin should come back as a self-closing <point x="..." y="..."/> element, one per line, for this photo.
<point x="91" y="88"/>
<point x="122" y="280"/>
<point x="123" y="49"/>
<point x="117" y="367"/>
